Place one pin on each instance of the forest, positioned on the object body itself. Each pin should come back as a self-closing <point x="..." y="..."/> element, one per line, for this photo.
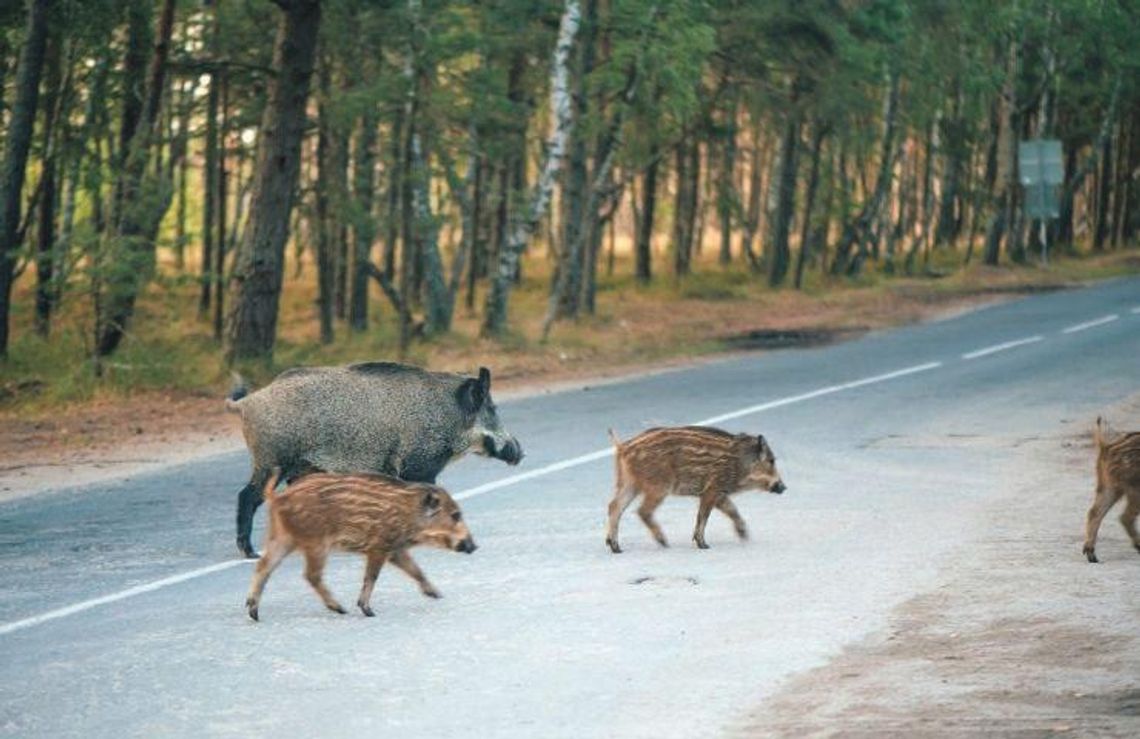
<point x="418" y="159"/>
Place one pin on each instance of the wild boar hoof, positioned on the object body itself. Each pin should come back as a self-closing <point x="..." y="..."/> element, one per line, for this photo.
<point x="366" y="610"/>
<point x="1137" y="547"/>
<point x="1091" y="554"/>
<point x="251" y="608"/>
<point x="337" y="608"/>
<point x="662" y="541"/>
<point x="613" y="545"/>
<point x="742" y="533"/>
<point x="432" y="593"/>
<point x="701" y="544"/>
<point x="246" y="548"/>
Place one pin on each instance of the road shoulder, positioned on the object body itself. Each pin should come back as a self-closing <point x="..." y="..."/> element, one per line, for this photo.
<point x="1021" y="637"/>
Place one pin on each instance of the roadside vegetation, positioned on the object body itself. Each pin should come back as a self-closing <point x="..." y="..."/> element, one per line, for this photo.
<point x="711" y="312"/>
<point x="548" y="187"/>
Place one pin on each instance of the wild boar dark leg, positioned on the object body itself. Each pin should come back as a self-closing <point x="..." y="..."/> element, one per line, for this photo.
<point x="725" y="505"/>
<point x="314" y="568"/>
<point x="371" y="572"/>
<point x="248" y="500"/>
<point x="403" y="560"/>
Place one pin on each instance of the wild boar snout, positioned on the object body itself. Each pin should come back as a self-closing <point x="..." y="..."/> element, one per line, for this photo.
<point x="778" y="488"/>
<point x="502" y="447"/>
<point x="466" y="546"/>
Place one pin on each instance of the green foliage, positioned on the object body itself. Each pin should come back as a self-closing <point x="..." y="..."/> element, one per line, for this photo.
<point x="479" y="71"/>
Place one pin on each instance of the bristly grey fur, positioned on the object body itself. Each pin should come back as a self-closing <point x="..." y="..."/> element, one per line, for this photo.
<point x="377" y="417"/>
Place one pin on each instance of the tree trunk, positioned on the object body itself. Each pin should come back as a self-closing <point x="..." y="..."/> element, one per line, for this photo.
<point x="45" y="237"/>
<point x="19" y="139"/>
<point x="588" y="235"/>
<point x="143" y="201"/>
<point x="338" y="182"/>
<point x="644" y="249"/>
<point x="726" y="194"/>
<point x="393" y="168"/>
<point x="688" y="161"/>
<point x="260" y="260"/>
<point x="476" y="245"/>
<point x="566" y="284"/>
<point x="364" y="225"/>
<point x="218" y="273"/>
<point x="1120" y="185"/>
<point x="953" y="129"/>
<point x="809" y="201"/>
<point x="755" y="198"/>
<point x="680" y="173"/>
<point x="1006" y="160"/>
<point x="495" y="311"/>
<point x="209" y="189"/>
<point x="780" y="253"/>
<point x="326" y="258"/>
<point x="856" y="231"/>
<point x="1103" y="196"/>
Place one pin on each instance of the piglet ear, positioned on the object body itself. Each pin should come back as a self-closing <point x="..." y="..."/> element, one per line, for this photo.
<point x="430" y="503"/>
<point x="760" y="442"/>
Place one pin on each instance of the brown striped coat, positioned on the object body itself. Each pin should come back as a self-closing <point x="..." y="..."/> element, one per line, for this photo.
<point x="689" y="460"/>
<point x="378" y="516"/>
<point x="1117" y="476"/>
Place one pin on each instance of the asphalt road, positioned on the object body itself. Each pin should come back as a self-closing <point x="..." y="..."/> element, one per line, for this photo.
<point x="121" y="604"/>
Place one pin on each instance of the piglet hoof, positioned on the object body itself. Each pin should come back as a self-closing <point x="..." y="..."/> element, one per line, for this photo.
<point x="336" y="608"/>
<point x="701" y="543"/>
<point x="662" y="541"/>
<point x="432" y="593"/>
<point x="613" y="545"/>
<point x="743" y="534"/>
<point x="366" y="610"/>
<point x="1091" y="554"/>
<point x="251" y="608"/>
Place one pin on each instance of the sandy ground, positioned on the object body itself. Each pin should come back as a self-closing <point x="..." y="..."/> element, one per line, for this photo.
<point x="1021" y="638"/>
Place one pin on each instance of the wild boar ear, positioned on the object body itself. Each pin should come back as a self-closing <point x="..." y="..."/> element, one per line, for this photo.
<point x="430" y="503"/>
<point x="485" y="378"/>
<point x="472" y="395"/>
<point x="760" y="442"/>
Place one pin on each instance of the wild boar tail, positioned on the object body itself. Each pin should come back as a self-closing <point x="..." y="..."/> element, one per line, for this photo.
<point x="614" y="438"/>
<point x="271" y="486"/>
<point x="238" y="390"/>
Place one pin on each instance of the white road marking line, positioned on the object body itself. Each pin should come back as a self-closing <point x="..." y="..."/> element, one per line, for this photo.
<point x="821" y="392"/>
<point x="556" y="467"/>
<point x="1089" y="324"/>
<point x="1002" y="347"/>
<point x="12" y="626"/>
<point x="1136" y="309"/>
<point x="603" y="453"/>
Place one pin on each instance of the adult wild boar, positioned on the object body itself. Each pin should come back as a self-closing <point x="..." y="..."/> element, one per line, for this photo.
<point x="380" y="417"/>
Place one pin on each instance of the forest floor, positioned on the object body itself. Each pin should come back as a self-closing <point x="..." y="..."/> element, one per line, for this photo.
<point x="159" y="401"/>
